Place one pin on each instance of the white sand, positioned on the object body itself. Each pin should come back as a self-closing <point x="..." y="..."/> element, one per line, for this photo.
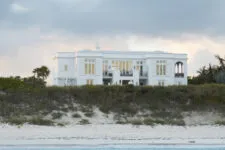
<point x="110" y="134"/>
<point x="103" y="130"/>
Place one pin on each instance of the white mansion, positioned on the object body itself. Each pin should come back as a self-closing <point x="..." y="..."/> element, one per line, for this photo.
<point x="99" y="67"/>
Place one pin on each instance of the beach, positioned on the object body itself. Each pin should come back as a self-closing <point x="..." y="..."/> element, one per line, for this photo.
<point x="108" y="134"/>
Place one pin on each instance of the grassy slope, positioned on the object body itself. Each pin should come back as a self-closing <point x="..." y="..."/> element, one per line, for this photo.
<point x="162" y="105"/>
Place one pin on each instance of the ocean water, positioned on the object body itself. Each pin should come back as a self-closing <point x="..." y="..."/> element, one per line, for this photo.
<point x="117" y="147"/>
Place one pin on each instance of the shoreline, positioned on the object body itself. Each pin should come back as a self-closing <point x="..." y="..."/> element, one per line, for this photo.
<point x="110" y="134"/>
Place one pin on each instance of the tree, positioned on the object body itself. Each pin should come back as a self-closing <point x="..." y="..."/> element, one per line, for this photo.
<point x="202" y="77"/>
<point x="42" y="72"/>
<point x="221" y="61"/>
<point x="220" y="77"/>
<point x="210" y="74"/>
<point x="34" y="82"/>
<point x="220" y="73"/>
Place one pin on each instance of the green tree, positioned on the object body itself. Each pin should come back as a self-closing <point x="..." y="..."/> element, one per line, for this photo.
<point x="221" y="61"/>
<point x="42" y="72"/>
<point x="34" y="82"/>
<point x="220" y="72"/>
<point x="210" y="74"/>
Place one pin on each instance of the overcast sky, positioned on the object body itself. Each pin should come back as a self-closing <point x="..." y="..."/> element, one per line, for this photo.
<point x="31" y="31"/>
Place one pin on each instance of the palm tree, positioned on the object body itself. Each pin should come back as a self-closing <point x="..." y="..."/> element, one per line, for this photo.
<point x="210" y="75"/>
<point x="221" y="61"/>
<point x="202" y="71"/>
<point x="220" y="72"/>
<point x="203" y="74"/>
<point x="42" y="72"/>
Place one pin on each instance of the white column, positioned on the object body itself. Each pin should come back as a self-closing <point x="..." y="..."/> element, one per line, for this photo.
<point x="182" y="69"/>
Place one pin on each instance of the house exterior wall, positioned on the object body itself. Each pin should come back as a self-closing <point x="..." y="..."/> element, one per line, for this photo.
<point x="72" y="66"/>
<point x="65" y="69"/>
<point x="82" y="77"/>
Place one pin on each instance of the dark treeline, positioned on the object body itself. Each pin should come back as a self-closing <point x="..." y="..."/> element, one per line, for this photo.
<point x="35" y="81"/>
<point x="210" y="73"/>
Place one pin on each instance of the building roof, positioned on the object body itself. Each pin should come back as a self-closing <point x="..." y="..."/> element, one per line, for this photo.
<point x="126" y="51"/>
<point x="122" y="54"/>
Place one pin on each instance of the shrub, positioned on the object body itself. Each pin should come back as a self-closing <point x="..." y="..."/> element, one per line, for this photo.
<point x="64" y="109"/>
<point x="33" y="120"/>
<point x="149" y="121"/>
<point x="16" y="120"/>
<point x="220" y="123"/>
<point x="176" y="122"/>
<point x="85" y="109"/>
<point x="89" y="114"/>
<point x="161" y="122"/>
<point x="57" y="115"/>
<point x="121" y="122"/>
<point x="136" y="122"/>
<point x="60" y="124"/>
<point x="166" y="103"/>
<point x="176" y="114"/>
<point x="84" y="122"/>
<point x="11" y="83"/>
<point x="72" y="108"/>
<point x="40" y="121"/>
<point x="76" y="115"/>
<point x="128" y="108"/>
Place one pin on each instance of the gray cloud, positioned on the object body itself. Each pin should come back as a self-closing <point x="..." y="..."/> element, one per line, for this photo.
<point x="201" y="58"/>
<point x="33" y="29"/>
<point x="110" y="17"/>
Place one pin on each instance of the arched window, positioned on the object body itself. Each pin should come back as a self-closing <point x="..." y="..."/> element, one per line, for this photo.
<point x="179" y="69"/>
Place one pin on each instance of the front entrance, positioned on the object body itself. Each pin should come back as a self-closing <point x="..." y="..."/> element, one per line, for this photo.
<point x="125" y="82"/>
<point x="107" y="81"/>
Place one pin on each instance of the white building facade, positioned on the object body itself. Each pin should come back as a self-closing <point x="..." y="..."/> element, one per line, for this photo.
<point x="100" y="67"/>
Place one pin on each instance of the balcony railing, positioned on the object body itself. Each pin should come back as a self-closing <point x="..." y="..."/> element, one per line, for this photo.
<point x="179" y="75"/>
<point x="126" y="73"/>
<point x="106" y="73"/>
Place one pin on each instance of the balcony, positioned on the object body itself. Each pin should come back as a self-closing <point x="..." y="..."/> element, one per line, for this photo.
<point x="126" y="73"/>
<point x="179" y="75"/>
<point x="107" y="74"/>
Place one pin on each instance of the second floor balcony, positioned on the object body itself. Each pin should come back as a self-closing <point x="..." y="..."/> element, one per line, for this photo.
<point x="126" y="73"/>
<point x="179" y="75"/>
<point x="107" y="74"/>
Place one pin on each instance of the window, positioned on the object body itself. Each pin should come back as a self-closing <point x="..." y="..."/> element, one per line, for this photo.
<point x="138" y="68"/>
<point x="65" y="67"/>
<point x="161" y="82"/>
<point x="89" y="66"/>
<point x="122" y="65"/>
<point x="105" y="66"/>
<point x="161" y="67"/>
<point x="140" y="64"/>
<point x="127" y="65"/>
<point x="86" y="68"/>
<point x="89" y="82"/>
<point x="115" y="64"/>
<point x="92" y="68"/>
